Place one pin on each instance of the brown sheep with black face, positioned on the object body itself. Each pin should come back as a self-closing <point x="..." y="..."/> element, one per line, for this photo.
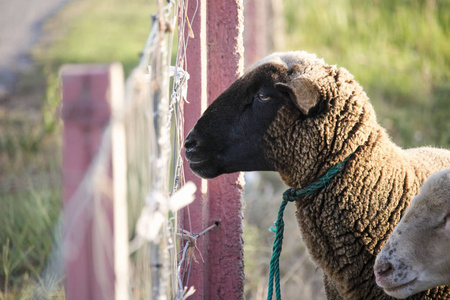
<point x="296" y="115"/>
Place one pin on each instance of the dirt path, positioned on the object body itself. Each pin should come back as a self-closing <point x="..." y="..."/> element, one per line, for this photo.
<point x="20" y="29"/>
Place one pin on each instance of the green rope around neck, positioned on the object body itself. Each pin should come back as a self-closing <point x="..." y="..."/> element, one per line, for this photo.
<point x="278" y="227"/>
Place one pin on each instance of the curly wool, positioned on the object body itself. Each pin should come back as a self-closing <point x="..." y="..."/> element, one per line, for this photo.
<point x="346" y="224"/>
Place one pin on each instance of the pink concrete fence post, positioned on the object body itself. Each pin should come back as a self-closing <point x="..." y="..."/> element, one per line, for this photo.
<point x="87" y="93"/>
<point x="225" y="65"/>
<point x="214" y="61"/>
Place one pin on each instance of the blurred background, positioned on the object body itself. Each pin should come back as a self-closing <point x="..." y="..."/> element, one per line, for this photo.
<point x="399" y="51"/>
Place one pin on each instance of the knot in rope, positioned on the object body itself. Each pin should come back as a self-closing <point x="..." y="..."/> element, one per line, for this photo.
<point x="291" y="195"/>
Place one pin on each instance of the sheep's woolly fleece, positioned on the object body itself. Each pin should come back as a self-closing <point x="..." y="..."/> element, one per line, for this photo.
<point x="294" y="114"/>
<point x="346" y="224"/>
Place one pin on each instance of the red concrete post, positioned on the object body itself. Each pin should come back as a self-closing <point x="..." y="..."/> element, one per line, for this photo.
<point x="225" y="244"/>
<point x="89" y="265"/>
<point x="216" y="51"/>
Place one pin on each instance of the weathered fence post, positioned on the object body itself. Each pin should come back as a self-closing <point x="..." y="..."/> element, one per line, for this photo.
<point x="225" y="65"/>
<point x="90" y="93"/>
<point x="214" y="61"/>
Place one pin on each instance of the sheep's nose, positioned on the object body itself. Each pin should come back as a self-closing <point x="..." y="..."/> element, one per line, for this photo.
<point x="383" y="269"/>
<point x="191" y="142"/>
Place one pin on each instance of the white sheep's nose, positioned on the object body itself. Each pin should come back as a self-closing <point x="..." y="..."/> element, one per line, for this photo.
<point x="382" y="269"/>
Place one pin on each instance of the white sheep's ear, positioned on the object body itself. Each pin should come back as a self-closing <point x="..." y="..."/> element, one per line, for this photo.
<point x="303" y="92"/>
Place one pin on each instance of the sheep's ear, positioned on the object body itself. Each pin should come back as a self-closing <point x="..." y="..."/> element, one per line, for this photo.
<point x="303" y="91"/>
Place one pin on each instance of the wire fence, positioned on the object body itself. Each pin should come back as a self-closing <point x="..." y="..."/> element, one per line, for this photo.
<point x="156" y="189"/>
<point x="155" y="242"/>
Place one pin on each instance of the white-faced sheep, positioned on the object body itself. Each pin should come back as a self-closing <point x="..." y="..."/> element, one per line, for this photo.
<point x="416" y="256"/>
<point x="296" y="115"/>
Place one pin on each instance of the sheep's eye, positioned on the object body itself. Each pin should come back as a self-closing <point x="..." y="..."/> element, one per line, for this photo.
<point x="443" y="222"/>
<point x="263" y="97"/>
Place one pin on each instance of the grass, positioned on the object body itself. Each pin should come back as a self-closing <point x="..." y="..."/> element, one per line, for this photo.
<point x="98" y="31"/>
<point x="398" y="50"/>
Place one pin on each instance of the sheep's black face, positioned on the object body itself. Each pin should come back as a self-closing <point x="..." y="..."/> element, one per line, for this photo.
<point x="229" y="135"/>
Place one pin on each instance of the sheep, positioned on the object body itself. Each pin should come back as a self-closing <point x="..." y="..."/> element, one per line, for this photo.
<point x="294" y="114"/>
<point x="416" y="255"/>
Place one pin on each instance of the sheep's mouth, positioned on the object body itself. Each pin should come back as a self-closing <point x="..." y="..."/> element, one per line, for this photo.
<point x="205" y="169"/>
<point x="202" y="167"/>
<point x="194" y="161"/>
<point x="195" y="157"/>
<point x="400" y="289"/>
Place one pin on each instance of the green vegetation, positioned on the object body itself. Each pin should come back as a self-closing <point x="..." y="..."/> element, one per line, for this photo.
<point x="29" y="194"/>
<point x="99" y="31"/>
